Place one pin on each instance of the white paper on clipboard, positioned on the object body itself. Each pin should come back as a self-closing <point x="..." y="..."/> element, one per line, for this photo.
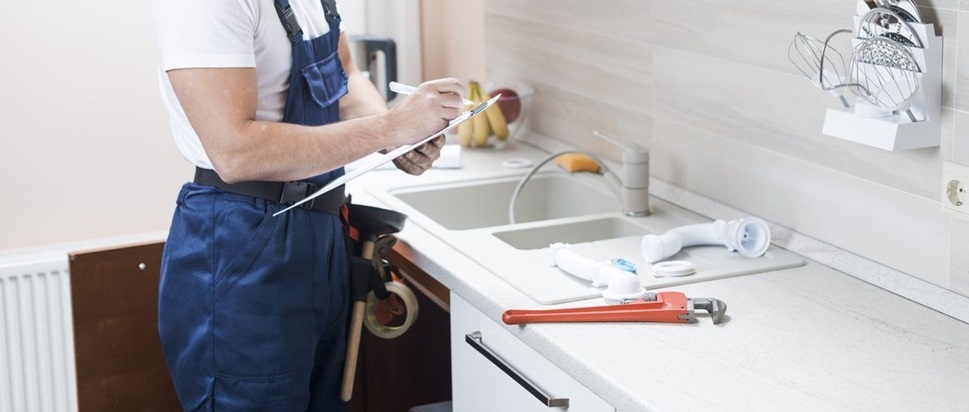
<point x="393" y="154"/>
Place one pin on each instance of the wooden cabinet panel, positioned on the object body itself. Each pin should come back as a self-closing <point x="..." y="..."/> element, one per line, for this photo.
<point x="120" y="366"/>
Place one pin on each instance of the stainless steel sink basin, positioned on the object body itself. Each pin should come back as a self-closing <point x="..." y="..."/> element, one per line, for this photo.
<point x="472" y="205"/>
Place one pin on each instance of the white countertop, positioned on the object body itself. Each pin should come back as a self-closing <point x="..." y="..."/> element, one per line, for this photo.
<point x="809" y="338"/>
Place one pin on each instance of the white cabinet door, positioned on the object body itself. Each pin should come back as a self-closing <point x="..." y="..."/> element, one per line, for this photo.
<point x="493" y="371"/>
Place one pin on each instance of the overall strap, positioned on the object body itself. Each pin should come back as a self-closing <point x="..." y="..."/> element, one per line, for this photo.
<point x="329" y="7"/>
<point x="286" y="16"/>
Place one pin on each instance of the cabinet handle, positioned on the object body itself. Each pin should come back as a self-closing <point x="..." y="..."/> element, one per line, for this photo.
<point x="474" y="339"/>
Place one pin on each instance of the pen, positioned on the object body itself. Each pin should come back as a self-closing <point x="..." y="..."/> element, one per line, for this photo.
<point x="405" y="89"/>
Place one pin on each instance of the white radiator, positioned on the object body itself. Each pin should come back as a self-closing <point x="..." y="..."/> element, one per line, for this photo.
<point x="36" y="333"/>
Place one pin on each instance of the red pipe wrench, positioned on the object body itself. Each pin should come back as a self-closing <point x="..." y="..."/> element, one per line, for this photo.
<point x="670" y="307"/>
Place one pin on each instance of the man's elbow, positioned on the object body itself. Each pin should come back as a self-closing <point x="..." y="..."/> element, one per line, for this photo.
<point x="229" y="155"/>
<point x="231" y="169"/>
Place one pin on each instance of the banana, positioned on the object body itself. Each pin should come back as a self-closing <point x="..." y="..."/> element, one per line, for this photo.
<point x="481" y="129"/>
<point x="496" y="120"/>
<point x="466" y="129"/>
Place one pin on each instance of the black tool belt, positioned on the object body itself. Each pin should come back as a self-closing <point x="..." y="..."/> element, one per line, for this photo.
<point x="282" y="192"/>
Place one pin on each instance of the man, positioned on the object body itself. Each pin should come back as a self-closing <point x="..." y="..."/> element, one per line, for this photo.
<point x="267" y="104"/>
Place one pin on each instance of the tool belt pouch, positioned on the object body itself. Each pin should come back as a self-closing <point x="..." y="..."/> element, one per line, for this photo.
<point x="366" y="274"/>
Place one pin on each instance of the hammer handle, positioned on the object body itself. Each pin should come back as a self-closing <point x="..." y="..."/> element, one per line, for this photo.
<point x="353" y="350"/>
<point x="356" y="327"/>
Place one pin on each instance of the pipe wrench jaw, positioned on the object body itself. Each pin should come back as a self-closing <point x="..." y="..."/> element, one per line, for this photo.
<point x="715" y="307"/>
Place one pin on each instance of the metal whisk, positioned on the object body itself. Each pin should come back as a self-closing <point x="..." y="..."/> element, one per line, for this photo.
<point x="821" y="63"/>
<point x="884" y="73"/>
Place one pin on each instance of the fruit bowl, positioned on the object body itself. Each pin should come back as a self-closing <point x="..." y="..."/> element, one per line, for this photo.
<point x="500" y="122"/>
<point x="513" y="103"/>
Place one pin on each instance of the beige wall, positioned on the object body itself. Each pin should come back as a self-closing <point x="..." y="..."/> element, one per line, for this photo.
<point x="453" y="39"/>
<point x="86" y="147"/>
<point x="707" y="85"/>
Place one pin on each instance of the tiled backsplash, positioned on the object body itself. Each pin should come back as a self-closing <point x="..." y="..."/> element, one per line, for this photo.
<point x="707" y="86"/>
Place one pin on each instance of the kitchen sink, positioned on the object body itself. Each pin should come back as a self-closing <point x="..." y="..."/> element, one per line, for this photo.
<point x="471" y="215"/>
<point x="472" y="205"/>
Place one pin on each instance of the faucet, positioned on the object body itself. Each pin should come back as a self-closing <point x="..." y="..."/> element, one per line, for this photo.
<point x="632" y="187"/>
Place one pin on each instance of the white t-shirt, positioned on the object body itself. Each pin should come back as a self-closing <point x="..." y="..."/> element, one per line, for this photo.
<point x="229" y="33"/>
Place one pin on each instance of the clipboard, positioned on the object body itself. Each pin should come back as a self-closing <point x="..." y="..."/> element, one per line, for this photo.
<point x="393" y="154"/>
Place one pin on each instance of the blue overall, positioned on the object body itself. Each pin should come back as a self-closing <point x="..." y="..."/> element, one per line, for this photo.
<point x="253" y="308"/>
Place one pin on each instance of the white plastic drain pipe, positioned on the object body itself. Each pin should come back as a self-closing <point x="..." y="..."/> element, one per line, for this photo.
<point x="600" y="273"/>
<point x="749" y="236"/>
<point x="620" y="285"/>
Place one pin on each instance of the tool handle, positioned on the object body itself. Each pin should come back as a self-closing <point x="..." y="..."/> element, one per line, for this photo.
<point x="519" y="317"/>
<point x="353" y="349"/>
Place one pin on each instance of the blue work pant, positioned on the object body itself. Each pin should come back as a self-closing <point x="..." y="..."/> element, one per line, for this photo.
<point x="253" y="308"/>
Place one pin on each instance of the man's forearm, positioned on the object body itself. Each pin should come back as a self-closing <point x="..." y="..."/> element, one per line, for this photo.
<point x="221" y="104"/>
<point x="275" y="151"/>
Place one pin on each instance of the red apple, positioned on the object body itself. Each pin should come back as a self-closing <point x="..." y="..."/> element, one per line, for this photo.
<point x="509" y="103"/>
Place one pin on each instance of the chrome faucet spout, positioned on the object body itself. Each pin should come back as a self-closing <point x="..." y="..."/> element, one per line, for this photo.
<point x="633" y="178"/>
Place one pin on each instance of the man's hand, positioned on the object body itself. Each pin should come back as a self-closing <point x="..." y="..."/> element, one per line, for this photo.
<point x="426" y="111"/>
<point x="429" y="109"/>
<point x="416" y="161"/>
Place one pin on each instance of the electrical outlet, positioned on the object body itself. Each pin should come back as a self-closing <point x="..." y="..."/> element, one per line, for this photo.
<point x="955" y="189"/>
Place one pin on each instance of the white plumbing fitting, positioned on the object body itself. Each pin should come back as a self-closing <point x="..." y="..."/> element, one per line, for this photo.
<point x="749" y="236"/>
<point x="600" y="273"/>
<point x="623" y="288"/>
